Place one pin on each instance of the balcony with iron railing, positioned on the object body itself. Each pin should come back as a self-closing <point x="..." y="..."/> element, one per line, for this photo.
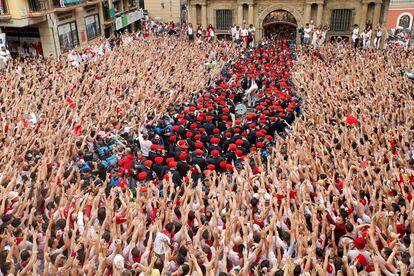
<point x="4" y="11"/>
<point x="66" y="5"/>
<point x="109" y="15"/>
<point x="39" y="7"/>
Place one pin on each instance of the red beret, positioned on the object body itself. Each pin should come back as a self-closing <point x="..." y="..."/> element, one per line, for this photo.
<point x="256" y="170"/>
<point x="239" y="142"/>
<point x="226" y="110"/>
<point x="228" y="134"/>
<point x="223" y="164"/>
<point x="169" y="159"/>
<point x="229" y="167"/>
<point x="199" y="152"/>
<point x="215" y="153"/>
<point x="359" y="243"/>
<point x="211" y="167"/>
<point x="209" y="118"/>
<point x="201" y="129"/>
<point x="199" y="144"/>
<point x="153" y="146"/>
<point x="142" y="175"/>
<point x="158" y="159"/>
<point x="197" y="136"/>
<point x="259" y="144"/>
<point x="233" y="146"/>
<point x="239" y="152"/>
<point x="192" y="108"/>
<point x="172" y="164"/>
<point x="259" y="134"/>
<point x="183" y="156"/>
<point x="175" y="128"/>
<point x="216" y="130"/>
<point x="172" y="138"/>
<point x="189" y="134"/>
<point x="193" y="126"/>
<point x="214" y="140"/>
<point x="143" y="189"/>
<point x="122" y="183"/>
<point x="237" y="122"/>
<point x="148" y="163"/>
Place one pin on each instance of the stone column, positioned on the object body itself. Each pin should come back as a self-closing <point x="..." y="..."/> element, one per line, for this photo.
<point x="307" y="13"/>
<point x="251" y="15"/>
<point x="204" y="15"/>
<point x="363" y="16"/>
<point x="377" y="13"/>
<point x="240" y="14"/>
<point x="319" y="15"/>
<point x="193" y="15"/>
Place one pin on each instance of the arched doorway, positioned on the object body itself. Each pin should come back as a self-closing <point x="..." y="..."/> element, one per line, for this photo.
<point x="280" y="23"/>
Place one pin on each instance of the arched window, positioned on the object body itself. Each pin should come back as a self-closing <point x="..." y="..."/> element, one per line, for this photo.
<point x="405" y="21"/>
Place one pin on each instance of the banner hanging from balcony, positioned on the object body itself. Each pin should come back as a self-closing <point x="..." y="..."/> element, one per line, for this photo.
<point x="70" y="2"/>
<point x="129" y="18"/>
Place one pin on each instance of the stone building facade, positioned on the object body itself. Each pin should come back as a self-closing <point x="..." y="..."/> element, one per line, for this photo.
<point x="338" y="15"/>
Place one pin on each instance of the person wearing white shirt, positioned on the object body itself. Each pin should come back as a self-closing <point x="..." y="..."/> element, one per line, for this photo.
<point x="315" y="37"/>
<point x="252" y="34"/>
<point x="378" y="37"/>
<point x="4" y="55"/>
<point x="237" y="35"/>
<point x="367" y="41"/>
<point x="190" y="32"/>
<point x="144" y="143"/>
<point x="307" y="35"/>
<point x="355" y="36"/>
<point x="244" y="35"/>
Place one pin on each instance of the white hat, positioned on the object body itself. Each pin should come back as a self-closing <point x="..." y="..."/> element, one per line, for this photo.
<point x="266" y="197"/>
<point x="12" y="195"/>
<point x="119" y="261"/>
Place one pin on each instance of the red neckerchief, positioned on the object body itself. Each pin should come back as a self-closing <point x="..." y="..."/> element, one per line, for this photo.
<point x="236" y="249"/>
<point x="137" y="259"/>
<point x="18" y="240"/>
<point x="171" y="235"/>
<point x="24" y="264"/>
<point x="260" y="223"/>
<point x="209" y="242"/>
<point x="190" y="223"/>
<point x="370" y="268"/>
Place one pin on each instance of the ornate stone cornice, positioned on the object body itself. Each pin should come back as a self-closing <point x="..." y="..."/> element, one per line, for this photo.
<point x="249" y="2"/>
<point x="315" y="2"/>
<point x="371" y="1"/>
<point x="198" y="2"/>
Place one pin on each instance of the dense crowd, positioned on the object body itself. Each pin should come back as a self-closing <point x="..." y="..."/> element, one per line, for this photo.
<point x="139" y="163"/>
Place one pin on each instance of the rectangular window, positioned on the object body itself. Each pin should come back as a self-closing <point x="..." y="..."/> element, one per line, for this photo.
<point x="68" y="36"/>
<point x="224" y="19"/>
<point x="93" y="26"/>
<point x="341" y="20"/>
